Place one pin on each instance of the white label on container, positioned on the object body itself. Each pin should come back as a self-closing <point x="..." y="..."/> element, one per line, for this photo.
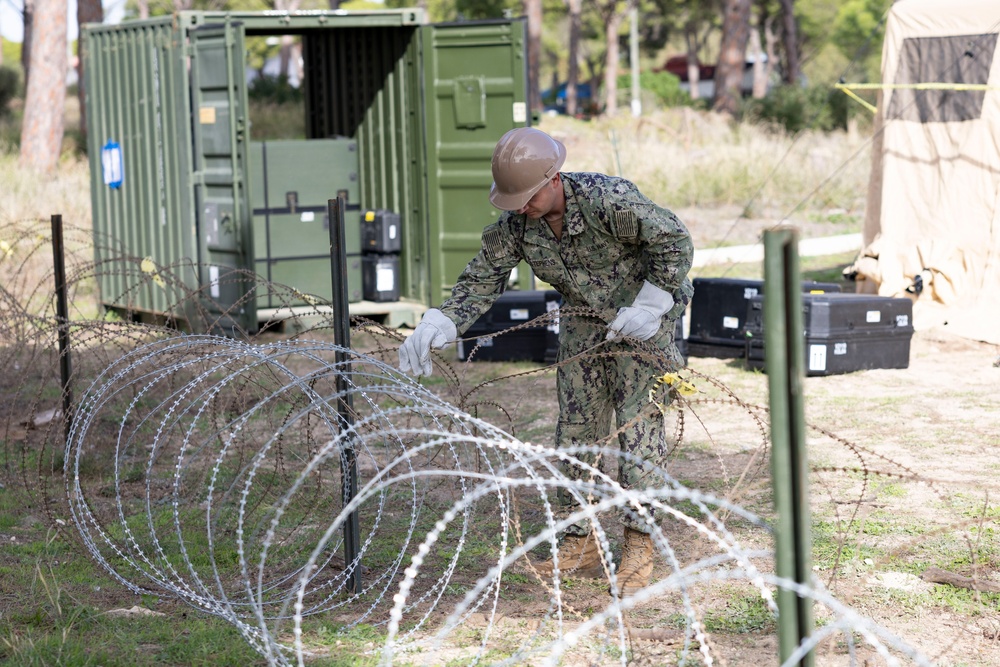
<point x="392" y="232"/>
<point x="873" y="316"/>
<point x="520" y="112"/>
<point x="840" y="348"/>
<point x="817" y="357"/>
<point x="484" y="342"/>
<point x="902" y="320"/>
<point x="730" y="322"/>
<point x="518" y="314"/>
<point x="749" y="292"/>
<point x="307" y="216"/>
<point x="384" y="280"/>
<point x="213" y="280"/>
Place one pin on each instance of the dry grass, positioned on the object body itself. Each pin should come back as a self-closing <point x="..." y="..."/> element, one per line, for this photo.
<point x="26" y="195"/>
<point x="683" y="158"/>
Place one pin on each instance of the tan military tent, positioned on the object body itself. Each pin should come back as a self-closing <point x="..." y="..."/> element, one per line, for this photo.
<point x="932" y="227"/>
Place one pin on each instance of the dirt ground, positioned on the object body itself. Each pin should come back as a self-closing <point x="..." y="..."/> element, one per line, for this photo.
<point x="904" y="480"/>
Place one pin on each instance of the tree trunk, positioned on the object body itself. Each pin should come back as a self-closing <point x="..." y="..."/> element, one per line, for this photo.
<point x="334" y="4"/>
<point x="29" y="21"/>
<point x="759" y="66"/>
<point x="769" y="42"/>
<point x="285" y="56"/>
<point x="143" y="6"/>
<point x="694" y="67"/>
<point x="87" y="11"/>
<point x="533" y="10"/>
<point x="612" y="25"/>
<point x="45" y="99"/>
<point x="573" y="71"/>
<point x="732" y="57"/>
<point x="791" y="38"/>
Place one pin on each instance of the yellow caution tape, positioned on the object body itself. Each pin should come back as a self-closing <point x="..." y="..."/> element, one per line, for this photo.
<point x="854" y="96"/>
<point x="929" y="85"/>
<point x="849" y="88"/>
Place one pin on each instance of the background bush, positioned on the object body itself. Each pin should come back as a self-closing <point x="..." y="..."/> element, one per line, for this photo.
<point x="273" y="89"/>
<point x="10" y="84"/>
<point x="664" y="86"/>
<point x="797" y="108"/>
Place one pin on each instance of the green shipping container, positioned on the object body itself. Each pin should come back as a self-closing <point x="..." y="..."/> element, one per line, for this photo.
<point x="409" y="110"/>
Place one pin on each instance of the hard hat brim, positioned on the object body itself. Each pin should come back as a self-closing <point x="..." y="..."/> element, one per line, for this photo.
<point x="515" y="200"/>
<point x="512" y="202"/>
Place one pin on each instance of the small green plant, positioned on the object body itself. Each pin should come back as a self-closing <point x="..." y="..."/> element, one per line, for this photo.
<point x="742" y="614"/>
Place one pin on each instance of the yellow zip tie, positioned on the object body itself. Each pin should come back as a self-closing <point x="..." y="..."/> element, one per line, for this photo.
<point x="674" y="383"/>
<point x="308" y="298"/>
<point x="148" y="266"/>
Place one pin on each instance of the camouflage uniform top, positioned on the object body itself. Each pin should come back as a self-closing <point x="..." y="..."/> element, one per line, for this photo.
<point x="613" y="239"/>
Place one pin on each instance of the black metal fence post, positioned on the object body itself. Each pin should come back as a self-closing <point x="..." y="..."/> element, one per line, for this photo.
<point x="342" y="337"/>
<point x="62" y="322"/>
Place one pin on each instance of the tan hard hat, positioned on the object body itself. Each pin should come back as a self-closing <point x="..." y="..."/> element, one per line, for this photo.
<point x="524" y="160"/>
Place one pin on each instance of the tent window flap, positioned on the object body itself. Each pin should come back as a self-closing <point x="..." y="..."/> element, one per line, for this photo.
<point x="960" y="60"/>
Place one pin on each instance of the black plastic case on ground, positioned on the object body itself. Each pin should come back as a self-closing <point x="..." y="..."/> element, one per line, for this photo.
<point x="719" y="313"/>
<point x="511" y="309"/>
<point x="380" y="277"/>
<point x="843" y="333"/>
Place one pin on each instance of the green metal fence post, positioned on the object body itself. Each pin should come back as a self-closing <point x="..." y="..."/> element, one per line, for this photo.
<point x="784" y="354"/>
<point x="345" y="407"/>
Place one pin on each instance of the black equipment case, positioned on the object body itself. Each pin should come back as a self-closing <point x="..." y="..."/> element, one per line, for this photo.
<point x="719" y="313"/>
<point x="513" y="308"/>
<point x="843" y="332"/>
<point x="380" y="277"/>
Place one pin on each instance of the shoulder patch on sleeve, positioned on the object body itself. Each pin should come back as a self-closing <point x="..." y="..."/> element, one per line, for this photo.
<point x="493" y="245"/>
<point x="625" y="225"/>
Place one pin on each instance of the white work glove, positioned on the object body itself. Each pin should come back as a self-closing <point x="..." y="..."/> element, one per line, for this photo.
<point x="641" y="320"/>
<point x="435" y="330"/>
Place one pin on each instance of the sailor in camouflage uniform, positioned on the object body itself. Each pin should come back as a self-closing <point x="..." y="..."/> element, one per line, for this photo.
<point x="602" y="244"/>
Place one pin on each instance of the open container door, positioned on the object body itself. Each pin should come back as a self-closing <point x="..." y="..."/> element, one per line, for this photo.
<point x="475" y="90"/>
<point x="222" y="210"/>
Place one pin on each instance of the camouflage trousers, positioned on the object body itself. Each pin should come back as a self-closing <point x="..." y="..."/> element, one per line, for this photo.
<point x="601" y="392"/>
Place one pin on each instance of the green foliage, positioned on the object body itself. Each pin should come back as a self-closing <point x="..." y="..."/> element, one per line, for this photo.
<point x="10" y="85"/>
<point x="274" y="89"/>
<point x="664" y="85"/>
<point x="437" y="10"/>
<point x="361" y="5"/>
<point x="11" y="53"/>
<point x="858" y="34"/>
<point x="795" y="108"/>
<point x="485" y="9"/>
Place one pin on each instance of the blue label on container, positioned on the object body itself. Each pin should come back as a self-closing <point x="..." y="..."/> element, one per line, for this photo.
<point x="111" y="164"/>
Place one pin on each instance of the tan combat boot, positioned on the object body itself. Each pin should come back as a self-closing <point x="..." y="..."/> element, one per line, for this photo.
<point x="579" y="557"/>
<point x="637" y="562"/>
